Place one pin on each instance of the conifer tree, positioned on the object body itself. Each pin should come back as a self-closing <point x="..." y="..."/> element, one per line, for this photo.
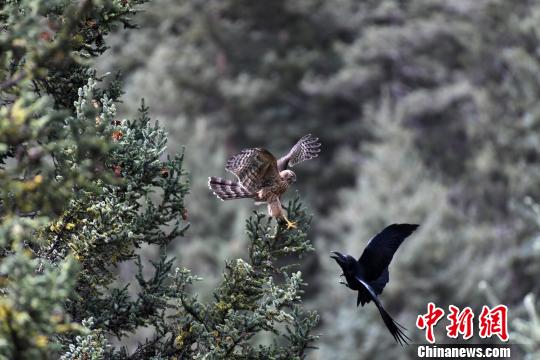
<point x="83" y="190"/>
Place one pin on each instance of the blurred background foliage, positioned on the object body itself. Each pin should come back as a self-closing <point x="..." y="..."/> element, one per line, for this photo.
<point x="427" y="110"/>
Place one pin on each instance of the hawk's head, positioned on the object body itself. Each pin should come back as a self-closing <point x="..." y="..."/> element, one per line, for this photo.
<point x="288" y="176"/>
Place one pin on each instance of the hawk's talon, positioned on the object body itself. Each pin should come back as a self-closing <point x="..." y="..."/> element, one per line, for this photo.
<point x="290" y="224"/>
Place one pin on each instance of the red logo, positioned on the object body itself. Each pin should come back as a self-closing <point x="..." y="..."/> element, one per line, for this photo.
<point x="490" y="322"/>
<point x="461" y="322"/>
<point x="494" y="322"/>
<point x="429" y="320"/>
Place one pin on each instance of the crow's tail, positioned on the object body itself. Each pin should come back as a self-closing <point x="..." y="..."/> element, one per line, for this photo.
<point x="397" y="331"/>
<point x="227" y="190"/>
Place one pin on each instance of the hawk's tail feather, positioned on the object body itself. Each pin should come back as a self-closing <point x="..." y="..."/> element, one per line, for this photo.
<point x="227" y="190"/>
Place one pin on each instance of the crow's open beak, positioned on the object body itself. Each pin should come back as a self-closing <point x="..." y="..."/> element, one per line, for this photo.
<point x="337" y="256"/>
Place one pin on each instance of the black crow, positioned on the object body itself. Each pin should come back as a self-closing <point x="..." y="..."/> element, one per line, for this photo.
<point x="369" y="274"/>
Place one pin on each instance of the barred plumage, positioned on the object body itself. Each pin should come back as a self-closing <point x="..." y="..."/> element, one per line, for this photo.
<point x="255" y="168"/>
<point x="228" y="190"/>
<point x="306" y="148"/>
<point x="262" y="177"/>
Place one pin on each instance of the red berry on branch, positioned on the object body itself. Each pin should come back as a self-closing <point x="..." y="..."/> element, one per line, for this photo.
<point x="117" y="170"/>
<point x="117" y="135"/>
<point x="164" y="172"/>
<point x="45" y="36"/>
<point x="184" y="214"/>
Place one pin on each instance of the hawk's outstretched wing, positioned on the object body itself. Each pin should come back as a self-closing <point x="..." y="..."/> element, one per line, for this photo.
<point x="255" y="168"/>
<point x="306" y="148"/>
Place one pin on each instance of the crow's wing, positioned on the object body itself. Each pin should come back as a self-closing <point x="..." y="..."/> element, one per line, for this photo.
<point x="377" y="285"/>
<point x="395" y="329"/>
<point x="305" y="149"/>
<point x="381" y="248"/>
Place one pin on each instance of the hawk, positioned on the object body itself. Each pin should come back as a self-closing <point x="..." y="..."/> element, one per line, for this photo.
<point x="262" y="177"/>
